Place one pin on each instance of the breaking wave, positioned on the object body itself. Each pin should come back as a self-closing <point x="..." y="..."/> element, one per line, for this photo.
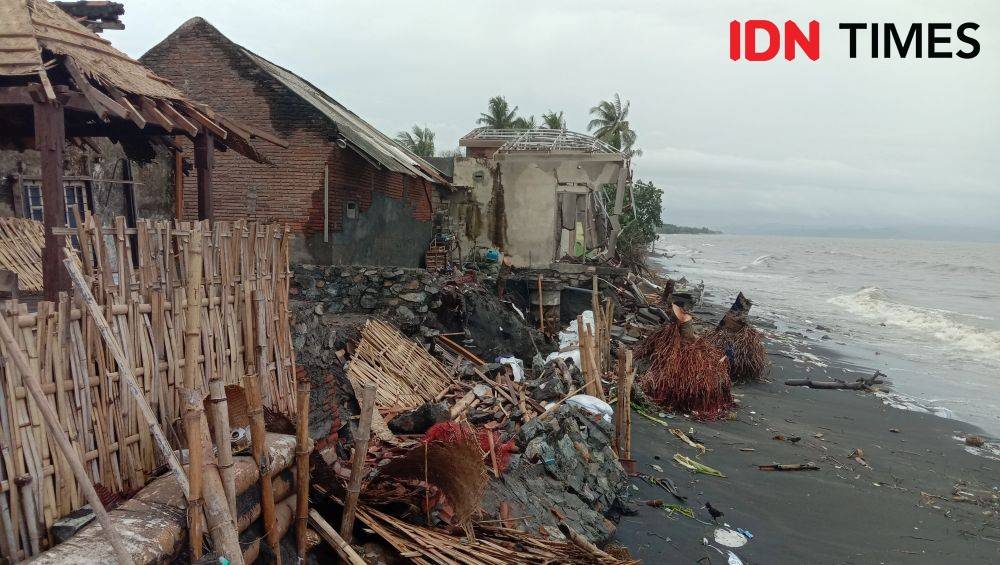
<point x="873" y="303"/>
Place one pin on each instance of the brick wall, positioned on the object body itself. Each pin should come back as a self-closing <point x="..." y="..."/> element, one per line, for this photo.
<point x="210" y="68"/>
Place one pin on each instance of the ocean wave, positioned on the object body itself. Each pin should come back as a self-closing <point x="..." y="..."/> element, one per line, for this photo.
<point x="873" y="303"/>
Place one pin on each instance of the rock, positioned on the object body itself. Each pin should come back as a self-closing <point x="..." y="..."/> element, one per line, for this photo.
<point x="418" y="420"/>
<point x="65" y="527"/>
<point x="414" y="296"/>
<point x="405" y="312"/>
<point x="369" y="302"/>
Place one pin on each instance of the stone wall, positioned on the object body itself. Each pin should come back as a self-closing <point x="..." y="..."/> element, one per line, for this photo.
<point x="397" y="293"/>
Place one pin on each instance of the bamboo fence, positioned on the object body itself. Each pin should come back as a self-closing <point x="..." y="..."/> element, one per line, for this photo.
<point x="21" y="251"/>
<point x="138" y="278"/>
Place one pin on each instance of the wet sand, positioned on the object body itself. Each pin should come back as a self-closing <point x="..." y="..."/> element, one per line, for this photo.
<point x="842" y="513"/>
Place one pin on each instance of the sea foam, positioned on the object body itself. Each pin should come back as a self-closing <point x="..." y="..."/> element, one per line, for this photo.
<point x="873" y="303"/>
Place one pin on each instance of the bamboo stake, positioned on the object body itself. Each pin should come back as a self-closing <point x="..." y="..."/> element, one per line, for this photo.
<point x="193" y="404"/>
<point x="255" y="410"/>
<point x="30" y="379"/>
<point x="302" y="461"/>
<point x="223" y="438"/>
<point x="358" y="461"/>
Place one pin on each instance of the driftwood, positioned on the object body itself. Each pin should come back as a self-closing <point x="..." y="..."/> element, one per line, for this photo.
<point x="860" y="384"/>
<point x="789" y="467"/>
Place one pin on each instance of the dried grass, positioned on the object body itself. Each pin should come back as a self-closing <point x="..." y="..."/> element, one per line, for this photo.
<point x="744" y="347"/>
<point x="689" y="375"/>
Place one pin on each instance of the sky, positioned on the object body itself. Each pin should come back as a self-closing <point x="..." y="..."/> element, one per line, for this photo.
<point x="836" y="143"/>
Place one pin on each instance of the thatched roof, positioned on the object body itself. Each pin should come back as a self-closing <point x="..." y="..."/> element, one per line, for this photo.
<point x="45" y="54"/>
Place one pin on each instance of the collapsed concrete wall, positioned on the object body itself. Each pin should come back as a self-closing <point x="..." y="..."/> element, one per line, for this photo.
<point x="528" y="204"/>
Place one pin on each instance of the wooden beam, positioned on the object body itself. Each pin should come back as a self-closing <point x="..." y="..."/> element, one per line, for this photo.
<point x="130" y="109"/>
<point x="205" y="121"/>
<point x="204" y="158"/>
<point x="176" y="117"/>
<point x="50" y="137"/>
<point x="153" y="114"/>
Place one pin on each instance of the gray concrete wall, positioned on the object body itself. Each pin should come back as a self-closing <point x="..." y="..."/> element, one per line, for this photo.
<point x="512" y="205"/>
<point x="384" y="234"/>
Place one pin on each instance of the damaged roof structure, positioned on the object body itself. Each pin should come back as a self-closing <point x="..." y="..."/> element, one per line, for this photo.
<point x="537" y="195"/>
<point x="351" y="193"/>
<point x="62" y="81"/>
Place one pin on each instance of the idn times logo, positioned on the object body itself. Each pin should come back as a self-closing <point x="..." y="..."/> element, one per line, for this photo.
<point x="762" y="40"/>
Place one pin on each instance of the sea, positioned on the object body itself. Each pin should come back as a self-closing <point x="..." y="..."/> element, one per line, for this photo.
<point x="925" y="313"/>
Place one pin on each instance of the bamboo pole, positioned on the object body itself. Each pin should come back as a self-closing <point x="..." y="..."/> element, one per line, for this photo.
<point x="358" y="461"/>
<point x="255" y="410"/>
<point x="30" y="379"/>
<point x="302" y="461"/>
<point x="193" y="411"/>
<point x="223" y="438"/>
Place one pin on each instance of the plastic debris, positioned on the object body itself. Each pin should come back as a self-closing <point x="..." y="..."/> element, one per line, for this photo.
<point x="730" y="538"/>
<point x="694" y="466"/>
<point x="593" y="405"/>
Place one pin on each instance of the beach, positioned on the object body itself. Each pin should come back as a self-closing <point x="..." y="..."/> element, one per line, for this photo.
<point x="892" y="485"/>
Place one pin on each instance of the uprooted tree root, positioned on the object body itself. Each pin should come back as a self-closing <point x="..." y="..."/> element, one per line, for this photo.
<point x="744" y="347"/>
<point x="689" y="375"/>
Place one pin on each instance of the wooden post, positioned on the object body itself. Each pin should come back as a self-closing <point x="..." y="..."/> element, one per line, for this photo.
<point x="358" y="461"/>
<point x="204" y="160"/>
<point x="193" y="411"/>
<point x="30" y="379"/>
<point x="50" y="136"/>
<point x="255" y="411"/>
<point x="302" y="461"/>
<point x="178" y="185"/>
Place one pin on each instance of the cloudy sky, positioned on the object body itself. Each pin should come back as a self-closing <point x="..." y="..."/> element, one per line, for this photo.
<point x="832" y="143"/>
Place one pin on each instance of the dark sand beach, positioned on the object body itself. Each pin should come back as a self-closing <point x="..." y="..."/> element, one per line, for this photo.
<point x="900" y="509"/>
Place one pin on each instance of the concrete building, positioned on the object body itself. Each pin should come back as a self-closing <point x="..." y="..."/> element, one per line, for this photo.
<point x="350" y="193"/>
<point x="536" y="196"/>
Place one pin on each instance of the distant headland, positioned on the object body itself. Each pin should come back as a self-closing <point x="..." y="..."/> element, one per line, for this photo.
<point x="675" y="229"/>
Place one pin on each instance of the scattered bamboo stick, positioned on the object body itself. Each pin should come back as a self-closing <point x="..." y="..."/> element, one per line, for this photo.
<point x="358" y="461"/>
<point x="331" y="537"/>
<point x="30" y="379"/>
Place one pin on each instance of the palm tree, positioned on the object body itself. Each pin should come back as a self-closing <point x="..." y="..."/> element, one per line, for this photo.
<point x="499" y="115"/>
<point x="610" y="124"/>
<point x="420" y="142"/>
<point x="524" y="123"/>
<point x="553" y="120"/>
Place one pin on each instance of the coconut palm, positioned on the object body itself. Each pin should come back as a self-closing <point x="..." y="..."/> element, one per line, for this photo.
<point x="611" y="125"/>
<point x="499" y="115"/>
<point x="524" y="123"/>
<point x="553" y="120"/>
<point x="420" y="141"/>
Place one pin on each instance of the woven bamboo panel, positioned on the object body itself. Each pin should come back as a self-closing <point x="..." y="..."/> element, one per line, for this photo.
<point x="405" y="374"/>
<point x="21" y="251"/>
<point x="137" y="276"/>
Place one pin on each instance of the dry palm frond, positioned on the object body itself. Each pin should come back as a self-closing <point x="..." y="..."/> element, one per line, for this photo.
<point x="745" y="349"/>
<point x="688" y="375"/>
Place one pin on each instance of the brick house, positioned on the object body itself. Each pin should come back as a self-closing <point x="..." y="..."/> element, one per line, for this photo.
<point x="352" y="194"/>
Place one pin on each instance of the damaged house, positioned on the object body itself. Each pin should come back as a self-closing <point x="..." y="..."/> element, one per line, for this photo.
<point x="536" y="195"/>
<point x="351" y="194"/>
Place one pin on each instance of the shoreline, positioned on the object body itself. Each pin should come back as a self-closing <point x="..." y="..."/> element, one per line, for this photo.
<point x="897" y="507"/>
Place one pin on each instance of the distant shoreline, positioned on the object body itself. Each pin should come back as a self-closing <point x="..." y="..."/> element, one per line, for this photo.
<point x="673" y="229"/>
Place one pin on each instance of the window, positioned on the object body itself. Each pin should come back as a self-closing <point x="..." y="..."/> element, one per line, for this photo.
<point x="352" y="210"/>
<point x="75" y="194"/>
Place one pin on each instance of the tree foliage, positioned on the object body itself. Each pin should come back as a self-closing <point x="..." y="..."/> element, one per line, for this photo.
<point x="420" y="141"/>
<point x="499" y="114"/>
<point x="553" y="120"/>
<point x="640" y="220"/>
<point x="611" y="125"/>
